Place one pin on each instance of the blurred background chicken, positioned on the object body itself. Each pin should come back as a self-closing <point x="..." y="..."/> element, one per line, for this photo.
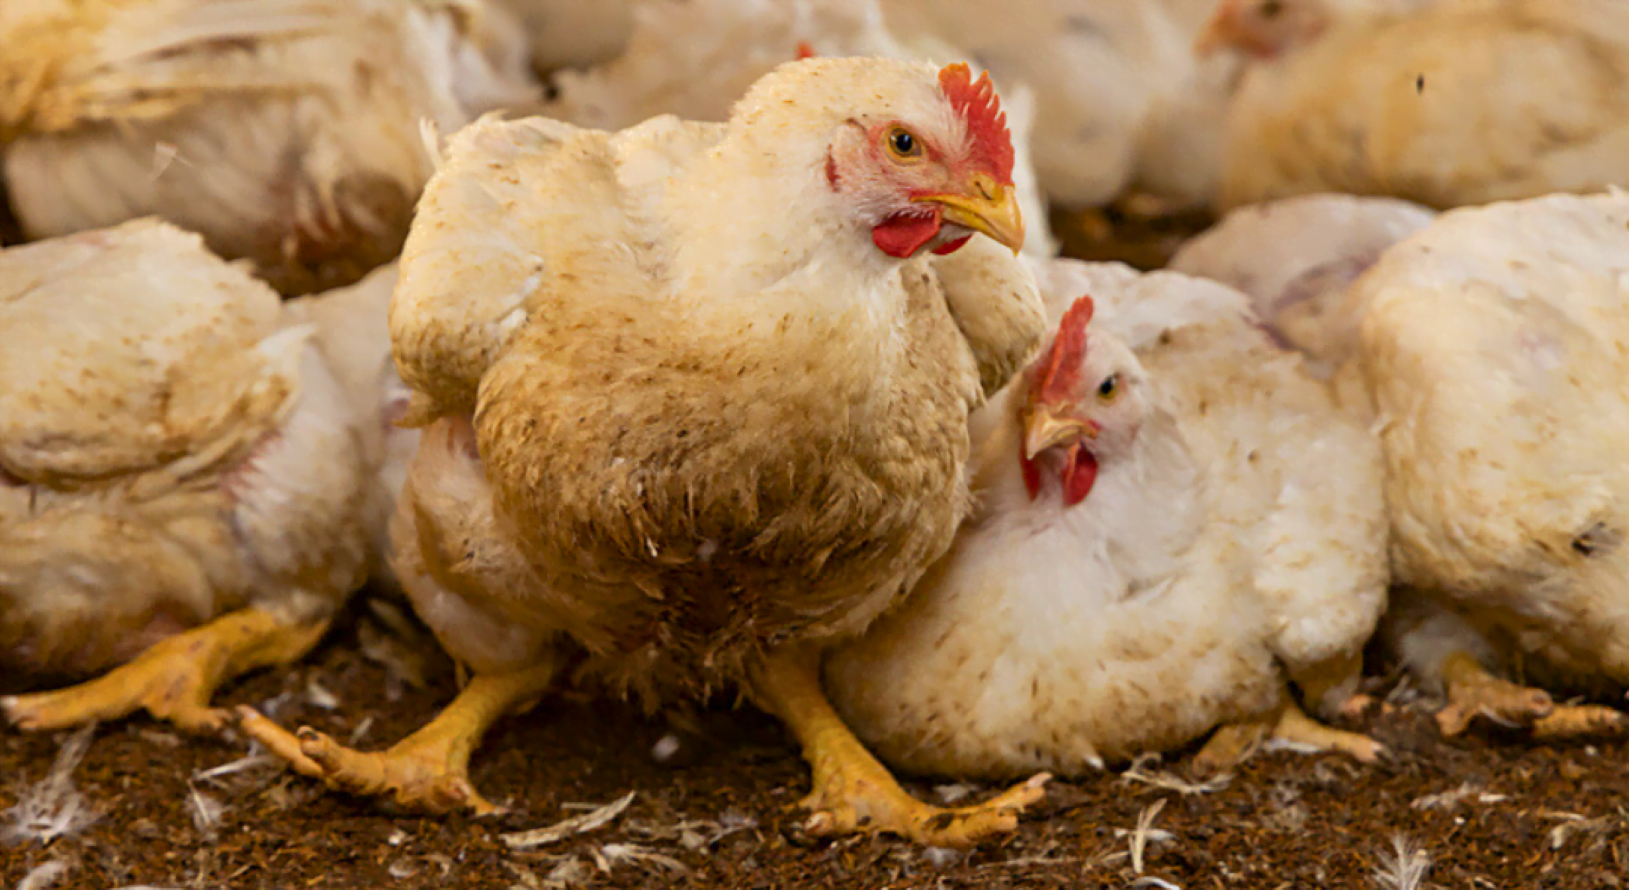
<point x="695" y="58"/>
<point x="1123" y="103"/>
<point x="571" y="33"/>
<point x="1173" y="521"/>
<point x="720" y="394"/>
<point x="1445" y="103"/>
<point x="1296" y="257"/>
<point x="286" y="132"/>
<point x="189" y="471"/>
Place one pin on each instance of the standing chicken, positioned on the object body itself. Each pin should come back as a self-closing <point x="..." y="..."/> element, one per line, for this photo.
<point x="1123" y="103"/>
<point x="1174" y="520"/>
<point x="1492" y="350"/>
<point x="1459" y="102"/>
<point x="695" y="58"/>
<point x="286" y="132"/>
<point x="186" y="473"/>
<point x="720" y="407"/>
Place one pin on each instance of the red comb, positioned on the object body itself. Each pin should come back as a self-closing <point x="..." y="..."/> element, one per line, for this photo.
<point x="805" y="51"/>
<point x="986" y="124"/>
<point x="1060" y="368"/>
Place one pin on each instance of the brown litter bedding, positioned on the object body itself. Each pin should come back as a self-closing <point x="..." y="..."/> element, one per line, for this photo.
<point x="1487" y="815"/>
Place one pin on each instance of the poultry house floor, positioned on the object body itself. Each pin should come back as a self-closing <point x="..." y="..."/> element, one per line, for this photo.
<point x="146" y="808"/>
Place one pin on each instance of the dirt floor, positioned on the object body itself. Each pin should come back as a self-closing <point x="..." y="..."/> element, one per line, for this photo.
<point x="1484" y="813"/>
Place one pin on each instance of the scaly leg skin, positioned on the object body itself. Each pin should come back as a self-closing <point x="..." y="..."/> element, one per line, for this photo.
<point x="1296" y="727"/>
<point x="1473" y="692"/>
<point x="175" y="679"/>
<point x="428" y="770"/>
<point x="1231" y="745"/>
<point x="852" y="791"/>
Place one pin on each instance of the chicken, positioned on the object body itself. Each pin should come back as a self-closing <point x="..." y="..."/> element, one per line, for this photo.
<point x="572" y="33"/>
<point x="1492" y="351"/>
<point x="694" y="58"/>
<point x="1174" y="520"/>
<point x="187" y="470"/>
<point x="1295" y="259"/>
<point x="720" y="399"/>
<point x="1454" y="103"/>
<point x="286" y="132"/>
<point x="1123" y="103"/>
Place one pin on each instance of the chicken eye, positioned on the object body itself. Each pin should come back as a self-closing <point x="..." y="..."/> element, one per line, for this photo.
<point x="1109" y="388"/>
<point x="902" y="144"/>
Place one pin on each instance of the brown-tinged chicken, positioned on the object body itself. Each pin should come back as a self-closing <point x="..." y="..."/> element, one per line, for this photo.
<point x="720" y="397"/>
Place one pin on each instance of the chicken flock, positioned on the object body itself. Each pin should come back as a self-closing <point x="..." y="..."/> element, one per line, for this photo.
<point x="670" y="348"/>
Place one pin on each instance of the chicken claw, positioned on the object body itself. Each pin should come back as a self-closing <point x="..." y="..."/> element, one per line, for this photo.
<point x="427" y="771"/>
<point x="1473" y="692"/>
<point x="175" y="679"/>
<point x="1231" y="745"/>
<point x="852" y="791"/>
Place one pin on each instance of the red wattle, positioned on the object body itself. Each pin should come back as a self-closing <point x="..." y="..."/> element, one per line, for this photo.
<point x="951" y="246"/>
<point x="903" y="234"/>
<point x="1079" y="474"/>
<point x="1032" y="476"/>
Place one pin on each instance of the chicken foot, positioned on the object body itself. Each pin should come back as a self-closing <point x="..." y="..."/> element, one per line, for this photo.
<point x="175" y="679"/>
<point x="428" y="770"/>
<point x="1475" y="692"/>
<point x="852" y="790"/>
<point x="1233" y="744"/>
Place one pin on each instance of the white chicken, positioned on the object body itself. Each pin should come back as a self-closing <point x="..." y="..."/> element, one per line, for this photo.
<point x="1295" y="259"/>
<point x="188" y="469"/>
<point x="1445" y="103"/>
<point x="1122" y="101"/>
<point x="1493" y="347"/>
<point x="1174" y="520"/>
<point x="695" y="58"/>
<point x="286" y="132"/>
<point x="572" y="33"/>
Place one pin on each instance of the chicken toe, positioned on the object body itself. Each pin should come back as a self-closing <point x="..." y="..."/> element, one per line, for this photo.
<point x="1473" y="692"/>
<point x="853" y="792"/>
<point x="1295" y="727"/>
<point x="427" y="771"/>
<point x="1233" y="744"/>
<point x="175" y="679"/>
<point x="1579" y="721"/>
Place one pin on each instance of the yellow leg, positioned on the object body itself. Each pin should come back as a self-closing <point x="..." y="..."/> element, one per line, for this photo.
<point x="1473" y="692"/>
<point x="428" y="770"/>
<point x="1231" y="745"/>
<point x="852" y="791"/>
<point x="1295" y="726"/>
<point x="175" y="679"/>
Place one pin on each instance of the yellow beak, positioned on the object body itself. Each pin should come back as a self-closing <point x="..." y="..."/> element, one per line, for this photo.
<point x="991" y="208"/>
<point x="1042" y="430"/>
<point x="1220" y="30"/>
